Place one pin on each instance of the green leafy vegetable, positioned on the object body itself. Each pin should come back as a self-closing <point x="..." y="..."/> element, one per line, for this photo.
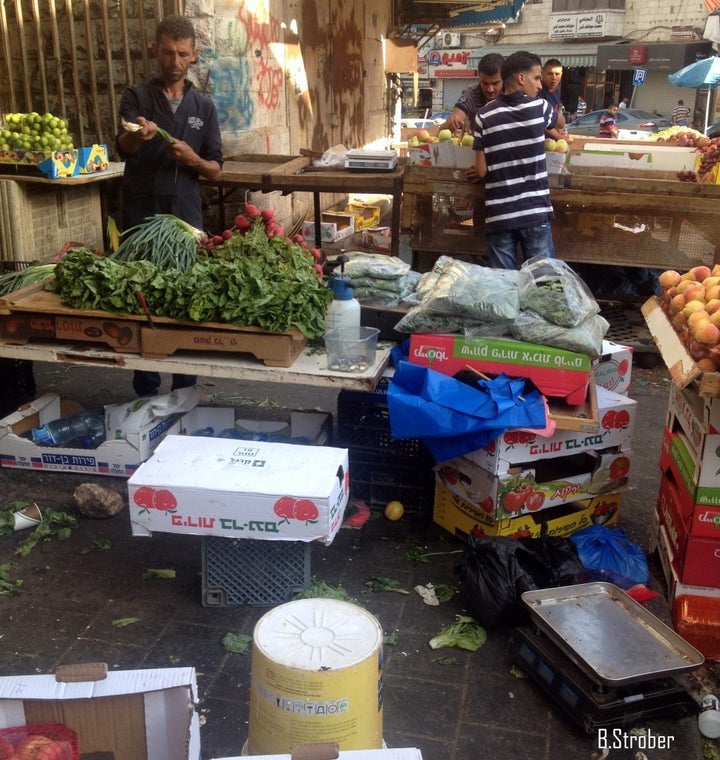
<point x="446" y="660"/>
<point x="8" y="586"/>
<point x="391" y="639"/>
<point x="163" y="240"/>
<point x="239" y="643"/>
<point x="122" y="622"/>
<point x="379" y="583"/>
<point x="55" y="525"/>
<point x="322" y="590"/>
<point x="420" y="554"/>
<point x="12" y="281"/>
<point x="465" y="633"/>
<point x="154" y="575"/>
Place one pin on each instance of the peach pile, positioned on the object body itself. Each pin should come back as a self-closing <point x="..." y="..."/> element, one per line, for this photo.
<point x="692" y="303"/>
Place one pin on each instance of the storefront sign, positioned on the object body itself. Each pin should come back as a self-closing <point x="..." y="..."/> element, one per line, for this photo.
<point x="450" y="63"/>
<point x="588" y="24"/>
<point x="654" y="57"/>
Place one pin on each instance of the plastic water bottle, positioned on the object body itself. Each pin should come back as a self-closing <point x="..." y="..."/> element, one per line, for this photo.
<point x="206" y="432"/>
<point x="709" y="718"/>
<point x="231" y="433"/>
<point x="63" y="430"/>
<point x="95" y="434"/>
<point x="344" y="310"/>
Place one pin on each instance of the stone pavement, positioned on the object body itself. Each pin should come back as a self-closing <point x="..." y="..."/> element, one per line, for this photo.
<point x="451" y="704"/>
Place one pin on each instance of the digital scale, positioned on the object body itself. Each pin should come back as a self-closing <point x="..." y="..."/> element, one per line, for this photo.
<point x="603" y="658"/>
<point x="371" y="160"/>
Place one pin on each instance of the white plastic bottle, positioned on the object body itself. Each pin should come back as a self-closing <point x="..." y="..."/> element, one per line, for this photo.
<point x="344" y="309"/>
<point x="709" y="718"/>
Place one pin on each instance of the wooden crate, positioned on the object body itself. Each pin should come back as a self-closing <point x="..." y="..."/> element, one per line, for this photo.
<point x="34" y="313"/>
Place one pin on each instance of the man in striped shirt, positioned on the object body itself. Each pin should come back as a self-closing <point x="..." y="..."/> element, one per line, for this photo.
<point x="509" y="149"/>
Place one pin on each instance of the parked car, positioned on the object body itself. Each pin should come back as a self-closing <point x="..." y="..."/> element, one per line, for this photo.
<point x="625" y="118"/>
<point x="713" y="130"/>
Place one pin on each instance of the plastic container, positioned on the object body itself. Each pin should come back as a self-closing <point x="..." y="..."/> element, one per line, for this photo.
<point x="344" y="310"/>
<point x="709" y="718"/>
<point x="697" y="619"/>
<point x="351" y="349"/>
<point x="66" y="429"/>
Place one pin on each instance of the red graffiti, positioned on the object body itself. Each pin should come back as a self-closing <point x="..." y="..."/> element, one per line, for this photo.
<point x="260" y="35"/>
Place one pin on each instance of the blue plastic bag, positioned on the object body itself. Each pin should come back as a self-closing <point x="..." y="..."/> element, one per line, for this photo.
<point x="602" y="548"/>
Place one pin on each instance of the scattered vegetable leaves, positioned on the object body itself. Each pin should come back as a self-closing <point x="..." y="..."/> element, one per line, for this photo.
<point x="156" y="574"/>
<point x="99" y="544"/>
<point x="380" y="583"/>
<point x="391" y="639"/>
<point x="8" y="586"/>
<point x="239" y="643"/>
<point x="323" y="590"/>
<point x="421" y="555"/>
<point x="445" y="660"/>
<point x="55" y="525"/>
<point x="122" y="622"/>
<point x="465" y="633"/>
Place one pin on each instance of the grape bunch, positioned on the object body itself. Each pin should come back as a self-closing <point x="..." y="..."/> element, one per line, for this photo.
<point x="687" y="176"/>
<point x="33" y="132"/>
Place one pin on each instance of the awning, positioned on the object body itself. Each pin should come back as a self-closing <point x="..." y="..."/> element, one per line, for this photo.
<point x="570" y="55"/>
<point x="497" y="12"/>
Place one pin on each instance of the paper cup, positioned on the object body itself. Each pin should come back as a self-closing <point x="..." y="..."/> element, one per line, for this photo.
<point x="29" y="517"/>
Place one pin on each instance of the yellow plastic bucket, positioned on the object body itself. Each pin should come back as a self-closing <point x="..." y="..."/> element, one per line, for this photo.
<point x="316" y="676"/>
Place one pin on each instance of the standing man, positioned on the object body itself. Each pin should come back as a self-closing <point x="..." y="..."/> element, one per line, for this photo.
<point x="162" y="178"/>
<point x="624" y="103"/>
<point x="510" y="158"/>
<point x="680" y="115"/>
<point x="607" y="126"/>
<point x="552" y="73"/>
<point x="473" y="98"/>
<point x="581" y="109"/>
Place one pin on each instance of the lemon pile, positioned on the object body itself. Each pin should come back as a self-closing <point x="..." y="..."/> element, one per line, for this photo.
<point x="35" y="132"/>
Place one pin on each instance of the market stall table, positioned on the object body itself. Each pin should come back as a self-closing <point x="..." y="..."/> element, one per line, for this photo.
<point x="288" y="174"/>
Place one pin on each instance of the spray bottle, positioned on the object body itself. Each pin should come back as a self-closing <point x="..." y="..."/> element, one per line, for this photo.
<point x="344" y="309"/>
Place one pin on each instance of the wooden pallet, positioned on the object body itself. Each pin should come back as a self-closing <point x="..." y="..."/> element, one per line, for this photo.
<point x="34" y="313"/>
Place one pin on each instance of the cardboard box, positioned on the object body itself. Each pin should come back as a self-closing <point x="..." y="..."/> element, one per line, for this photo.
<point x="617" y="415"/>
<point x="464" y="156"/>
<point x="53" y="164"/>
<point x="677" y="455"/>
<point x="460" y="517"/>
<point x="240" y="489"/>
<point x="677" y="506"/>
<point x="648" y="156"/>
<point x="334" y="226"/>
<point x="538" y="484"/>
<point x="377" y="239"/>
<point x="699" y="419"/>
<point x="441" y="153"/>
<point x="554" y="371"/>
<point x="129" y="714"/>
<point x="93" y="159"/>
<point x="118" y="458"/>
<point x="366" y="215"/>
<point x="613" y="370"/>
<point x="261" y="424"/>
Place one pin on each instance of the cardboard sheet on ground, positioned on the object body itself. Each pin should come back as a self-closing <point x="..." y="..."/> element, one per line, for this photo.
<point x="453" y="417"/>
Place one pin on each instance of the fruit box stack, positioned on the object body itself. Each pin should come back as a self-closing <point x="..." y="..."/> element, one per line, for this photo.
<point x="522" y="482"/>
<point x="688" y="513"/>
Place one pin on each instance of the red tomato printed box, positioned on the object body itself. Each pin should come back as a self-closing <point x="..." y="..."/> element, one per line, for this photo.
<point x="240" y="489"/>
<point x="555" y="372"/>
<point x="617" y="415"/>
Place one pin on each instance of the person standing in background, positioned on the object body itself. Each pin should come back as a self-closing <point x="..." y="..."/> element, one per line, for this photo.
<point x="552" y="73"/>
<point x="624" y="103"/>
<point x="509" y="149"/>
<point x="473" y="98"/>
<point x="607" y="126"/>
<point x="162" y="177"/>
<point x="581" y="109"/>
<point x="680" y="115"/>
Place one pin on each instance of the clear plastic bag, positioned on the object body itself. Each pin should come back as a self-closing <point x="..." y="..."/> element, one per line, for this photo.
<point x="553" y="290"/>
<point x="376" y="265"/>
<point x="586" y="338"/>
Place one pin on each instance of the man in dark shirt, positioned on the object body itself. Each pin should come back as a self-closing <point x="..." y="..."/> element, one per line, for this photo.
<point x="162" y="177"/>
<point x="473" y="98"/>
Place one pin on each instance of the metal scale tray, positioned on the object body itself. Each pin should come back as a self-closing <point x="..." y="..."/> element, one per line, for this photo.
<point x="609" y="636"/>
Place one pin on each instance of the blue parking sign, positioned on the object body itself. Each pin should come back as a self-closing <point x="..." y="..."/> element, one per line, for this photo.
<point x="639" y="77"/>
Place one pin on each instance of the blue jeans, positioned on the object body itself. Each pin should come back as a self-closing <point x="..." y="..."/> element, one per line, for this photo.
<point x="534" y="241"/>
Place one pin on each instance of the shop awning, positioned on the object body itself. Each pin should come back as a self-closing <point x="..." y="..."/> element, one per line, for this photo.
<point x="496" y="12"/>
<point x="583" y="54"/>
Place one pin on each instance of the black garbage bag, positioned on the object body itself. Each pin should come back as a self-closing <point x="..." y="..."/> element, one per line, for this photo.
<point x="497" y="570"/>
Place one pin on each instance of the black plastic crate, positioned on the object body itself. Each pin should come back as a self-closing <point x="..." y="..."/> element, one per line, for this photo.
<point x="253" y="572"/>
<point x="376" y="480"/>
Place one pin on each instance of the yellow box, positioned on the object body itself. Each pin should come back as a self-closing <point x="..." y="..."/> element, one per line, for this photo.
<point x="92" y="159"/>
<point x="53" y="164"/>
<point x="366" y="215"/>
<point x="710" y="178"/>
<point x="461" y="518"/>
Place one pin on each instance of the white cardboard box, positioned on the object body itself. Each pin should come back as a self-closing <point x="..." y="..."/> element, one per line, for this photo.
<point x="240" y="489"/>
<point x="135" y="714"/>
<point x="334" y="226"/>
<point x="613" y="370"/>
<point x="119" y="458"/>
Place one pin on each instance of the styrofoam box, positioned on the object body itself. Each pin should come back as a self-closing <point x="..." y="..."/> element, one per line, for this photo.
<point x="617" y="415"/>
<point x="127" y="713"/>
<point x="240" y="489"/>
<point x="36" y="220"/>
<point x="613" y="370"/>
<point x="119" y="458"/>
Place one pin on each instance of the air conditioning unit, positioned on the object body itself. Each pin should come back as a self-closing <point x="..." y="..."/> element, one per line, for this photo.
<point x="449" y="40"/>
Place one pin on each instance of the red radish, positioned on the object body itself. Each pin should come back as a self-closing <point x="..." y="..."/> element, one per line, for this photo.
<point x="242" y="223"/>
<point x="299" y="239"/>
<point x="279" y="231"/>
<point x="217" y="239"/>
<point x="227" y="234"/>
<point x="316" y="254"/>
<point x="267" y="214"/>
<point x="318" y="268"/>
<point x="6" y="749"/>
<point x="252" y="211"/>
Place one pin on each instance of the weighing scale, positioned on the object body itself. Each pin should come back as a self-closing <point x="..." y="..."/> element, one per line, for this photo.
<point x="603" y="658"/>
<point x="371" y="160"/>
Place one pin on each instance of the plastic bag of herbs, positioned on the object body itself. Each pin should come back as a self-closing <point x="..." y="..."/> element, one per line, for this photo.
<point x="553" y="290"/>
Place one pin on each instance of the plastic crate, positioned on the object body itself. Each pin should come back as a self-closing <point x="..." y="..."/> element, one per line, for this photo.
<point x="376" y="480"/>
<point x="253" y="572"/>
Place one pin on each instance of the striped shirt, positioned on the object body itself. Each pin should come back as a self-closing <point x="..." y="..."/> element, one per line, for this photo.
<point x="510" y="130"/>
<point x="681" y="115"/>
